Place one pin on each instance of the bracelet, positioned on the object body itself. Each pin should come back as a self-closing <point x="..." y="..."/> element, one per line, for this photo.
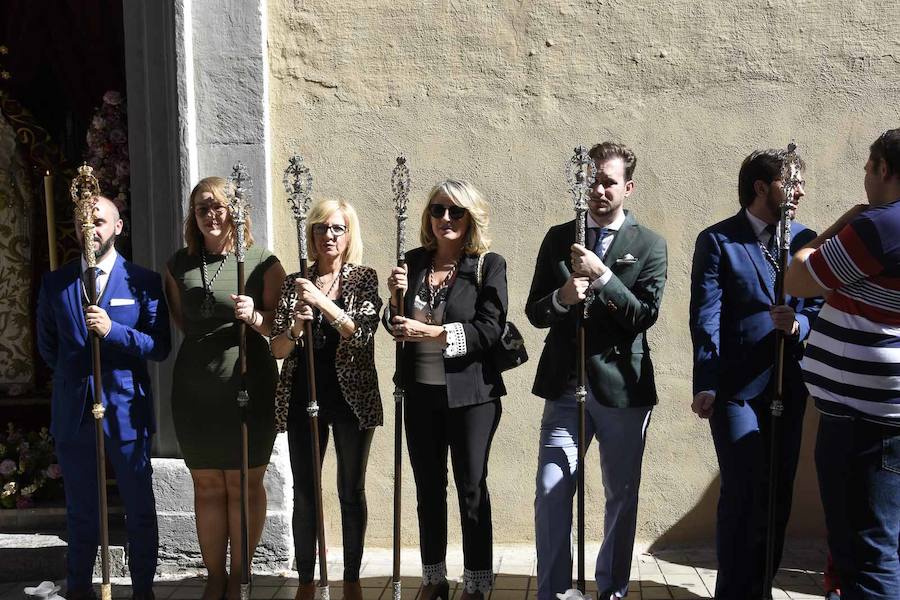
<point x="339" y="322"/>
<point x="289" y="333"/>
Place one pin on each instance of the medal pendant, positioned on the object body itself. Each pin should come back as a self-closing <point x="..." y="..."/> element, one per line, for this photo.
<point x="319" y="338"/>
<point x="207" y="307"/>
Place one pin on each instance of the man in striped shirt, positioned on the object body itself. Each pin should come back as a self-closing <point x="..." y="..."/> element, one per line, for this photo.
<point x="852" y="369"/>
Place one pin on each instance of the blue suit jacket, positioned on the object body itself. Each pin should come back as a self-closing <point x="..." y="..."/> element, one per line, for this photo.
<point x="732" y="332"/>
<point x="134" y="300"/>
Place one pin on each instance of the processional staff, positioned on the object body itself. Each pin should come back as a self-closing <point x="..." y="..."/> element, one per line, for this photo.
<point x="790" y="177"/>
<point x="400" y="185"/>
<point x="298" y="185"/>
<point x="237" y="194"/>
<point x="85" y="191"/>
<point x="580" y="173"/>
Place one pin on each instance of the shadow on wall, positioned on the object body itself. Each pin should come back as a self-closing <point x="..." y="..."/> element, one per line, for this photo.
<point x="698" y="527"/>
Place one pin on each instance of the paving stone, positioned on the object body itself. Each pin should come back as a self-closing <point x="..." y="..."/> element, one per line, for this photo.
<point x="511" y="582"/>
<point x="288" y="592"/>
<point x="263" y="592"/>
<point x="659" y="592"/>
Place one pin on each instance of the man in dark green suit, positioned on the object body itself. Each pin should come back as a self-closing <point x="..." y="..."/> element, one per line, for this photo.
<point x="624" y="268"/>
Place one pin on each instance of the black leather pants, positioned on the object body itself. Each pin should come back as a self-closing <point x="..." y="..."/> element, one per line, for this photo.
<point x="352" y="448"/>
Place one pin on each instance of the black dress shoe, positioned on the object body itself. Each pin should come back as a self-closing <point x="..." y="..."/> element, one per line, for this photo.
<point x="148" y="595"/>
<point x="81" y="594"/>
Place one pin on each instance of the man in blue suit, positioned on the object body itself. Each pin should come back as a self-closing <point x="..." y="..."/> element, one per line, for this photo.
<point x="132" y="320"/>
<point x="733" y="323"/>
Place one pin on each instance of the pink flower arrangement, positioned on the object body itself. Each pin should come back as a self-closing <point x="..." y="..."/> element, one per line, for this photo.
<point x="107" y="151"/>
<point x="29" y="471"/>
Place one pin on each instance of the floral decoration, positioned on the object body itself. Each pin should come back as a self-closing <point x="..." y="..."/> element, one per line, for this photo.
<point x="29" y="471"/>
<point x="107" y="140"/>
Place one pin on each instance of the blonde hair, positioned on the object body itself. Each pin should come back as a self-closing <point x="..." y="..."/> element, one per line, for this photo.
<point x="192" y="235"/>
<point x="321" y="212"/>
<point x="464" y="194"/>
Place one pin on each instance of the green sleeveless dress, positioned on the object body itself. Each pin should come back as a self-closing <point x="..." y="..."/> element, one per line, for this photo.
<point x="206" y="378"/>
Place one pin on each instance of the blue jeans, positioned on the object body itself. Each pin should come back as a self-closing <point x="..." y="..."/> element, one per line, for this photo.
<point x="620" y="433"/>
<point x="858" y="463"/>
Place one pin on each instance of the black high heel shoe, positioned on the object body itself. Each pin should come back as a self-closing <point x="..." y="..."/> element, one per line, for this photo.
<point x="440" y="591"/>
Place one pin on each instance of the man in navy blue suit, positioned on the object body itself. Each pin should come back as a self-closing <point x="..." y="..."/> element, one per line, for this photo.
<point x="132" y="320"/>
<point x="733" y="323"/>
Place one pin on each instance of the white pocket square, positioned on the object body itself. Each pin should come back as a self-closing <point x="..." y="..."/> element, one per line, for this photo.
<point x="121" y="301"/>
<point x="626" y="260"/>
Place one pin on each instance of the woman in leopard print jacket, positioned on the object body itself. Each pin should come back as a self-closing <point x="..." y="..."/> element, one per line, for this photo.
<point x="341" y="299"/>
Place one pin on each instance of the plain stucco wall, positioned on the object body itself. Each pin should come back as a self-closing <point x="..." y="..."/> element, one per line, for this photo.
<point x="500" y="92"/>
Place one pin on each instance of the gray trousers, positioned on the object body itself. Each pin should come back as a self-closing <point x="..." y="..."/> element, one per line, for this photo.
<point x="620" y="433"/>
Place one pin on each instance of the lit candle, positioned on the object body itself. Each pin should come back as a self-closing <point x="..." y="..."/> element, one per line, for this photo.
<point x="51" y="219"/>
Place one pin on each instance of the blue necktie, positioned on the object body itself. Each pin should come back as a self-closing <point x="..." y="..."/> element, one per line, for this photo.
<point x="601" y="233"/>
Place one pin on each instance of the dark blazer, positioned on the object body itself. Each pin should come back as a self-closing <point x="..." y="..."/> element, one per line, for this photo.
<point x="471" y="378"/>
<point x="619" y="368"/>
<point x="134" y="300"/>
<point x="732" y="333"/>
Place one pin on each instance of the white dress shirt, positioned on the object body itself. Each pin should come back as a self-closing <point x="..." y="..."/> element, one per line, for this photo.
<point x="106" y="265"/>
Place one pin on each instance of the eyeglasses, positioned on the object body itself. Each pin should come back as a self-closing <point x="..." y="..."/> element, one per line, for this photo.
<point x="336" y="230"/>
<point x="202" y="210"/>
<point x="437" y="211"/>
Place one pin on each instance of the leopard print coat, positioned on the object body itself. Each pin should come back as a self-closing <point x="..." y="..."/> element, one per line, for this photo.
<point x="355" y="358"/>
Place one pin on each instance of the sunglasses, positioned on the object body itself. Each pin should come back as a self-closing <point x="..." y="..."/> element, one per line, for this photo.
<point x="437" y="211"/>
<point x="202" y="210"/>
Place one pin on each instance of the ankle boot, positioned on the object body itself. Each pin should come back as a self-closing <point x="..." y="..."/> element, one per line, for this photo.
<point x="352" y="590"/>
<point x="306" y="591"/>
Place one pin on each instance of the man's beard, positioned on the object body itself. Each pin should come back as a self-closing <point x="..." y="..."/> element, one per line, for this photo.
<point x="105" y="247"/>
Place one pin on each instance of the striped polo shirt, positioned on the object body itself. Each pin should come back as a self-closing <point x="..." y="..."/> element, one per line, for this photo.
<point x="852" y="357"/>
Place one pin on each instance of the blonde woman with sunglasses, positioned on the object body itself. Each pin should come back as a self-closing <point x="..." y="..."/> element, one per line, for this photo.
<point x="455" y="315"/>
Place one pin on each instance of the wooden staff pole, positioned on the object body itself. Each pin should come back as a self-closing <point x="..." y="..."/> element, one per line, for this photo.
<point x="298" y="185"/>
<point x="790" y="177"/>
<point x="85" y="191"/>
<point x="580" y="173"/>
<point x="237" y="194"/>
<point x="400" y="185"/>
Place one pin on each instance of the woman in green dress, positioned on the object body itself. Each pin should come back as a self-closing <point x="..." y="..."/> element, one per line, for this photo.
<point x="200" y="283"/>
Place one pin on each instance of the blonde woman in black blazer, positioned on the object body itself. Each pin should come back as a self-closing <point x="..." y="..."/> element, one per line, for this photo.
<point x="453" y="390"/>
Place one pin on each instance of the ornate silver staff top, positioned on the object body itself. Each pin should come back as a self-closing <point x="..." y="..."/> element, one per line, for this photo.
<point x="400" y="185"/>
<point x="298" y="184"/>
<point x="238" y="196"/>
<point x="790" y="178"/>
<point x="84" y="190"/>
<point x="580" y="174"/>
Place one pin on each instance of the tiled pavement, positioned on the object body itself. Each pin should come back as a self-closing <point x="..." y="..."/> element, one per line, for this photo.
<point x="669" y="574"/>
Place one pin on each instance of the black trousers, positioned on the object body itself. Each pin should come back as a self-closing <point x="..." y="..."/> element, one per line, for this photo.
<point x="352" y="448"/>
<point x="431" y="429"/>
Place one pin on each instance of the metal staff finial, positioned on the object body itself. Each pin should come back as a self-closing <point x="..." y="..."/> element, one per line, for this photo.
<point x="237" y="194"/>
<point x="84" y="190"/>
<point x="400" y="185"/>
<point x="580" y="174"/>
<point x="298" y="183"/>
<point x="790" y="172"/>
